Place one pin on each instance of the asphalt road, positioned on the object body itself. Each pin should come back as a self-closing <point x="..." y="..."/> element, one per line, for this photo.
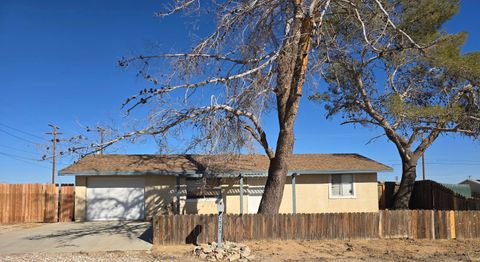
<point x="75" y="237"/>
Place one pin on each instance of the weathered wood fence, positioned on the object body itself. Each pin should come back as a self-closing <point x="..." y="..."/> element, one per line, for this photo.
<point x="66" y="203"/>
<point x="428" y="195"/>
<point x="24" y="203"/>
<point x="431" y="195"/>
<point x="416" y="224"/>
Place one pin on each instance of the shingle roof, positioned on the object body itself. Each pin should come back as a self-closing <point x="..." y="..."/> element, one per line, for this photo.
<point x="196" y="164"/>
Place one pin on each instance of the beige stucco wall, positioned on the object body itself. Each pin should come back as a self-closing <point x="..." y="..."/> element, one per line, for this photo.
<point x="80" y="197"/>
<point x="231" y="198"/>
<point x="160" y="195"/>
<point x="200" y="206"/>
<point x="312" y="193"/>
<point x="231" y="195"/>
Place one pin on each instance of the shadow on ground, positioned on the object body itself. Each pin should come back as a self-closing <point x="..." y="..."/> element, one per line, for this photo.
<point x="132" y="230"/>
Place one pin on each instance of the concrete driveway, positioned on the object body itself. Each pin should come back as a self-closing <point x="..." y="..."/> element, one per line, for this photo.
<point x="75" y="237"/>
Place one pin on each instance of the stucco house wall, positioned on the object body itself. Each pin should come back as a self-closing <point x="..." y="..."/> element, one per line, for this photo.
<point x="312" y="196"/>
<point x="80" y="198"/>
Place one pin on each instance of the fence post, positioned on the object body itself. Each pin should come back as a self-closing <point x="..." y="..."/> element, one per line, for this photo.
<point x="433" y="224"/>
<point x="177" y="194"/>
<point x="380" y="224"/>
<point x="241" y="194"/>
<point x="453" y="233"/>
<point x="294" y="194"/>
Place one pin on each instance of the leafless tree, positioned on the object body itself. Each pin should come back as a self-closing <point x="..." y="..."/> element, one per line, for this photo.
<point x="254" y="62"/>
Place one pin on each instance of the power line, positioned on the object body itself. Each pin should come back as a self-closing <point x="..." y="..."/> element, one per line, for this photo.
<point x="18" y="137"/>
<point x="20" y="150"/>
<point x="22" y="159"/>
<point x="24" y="132"/>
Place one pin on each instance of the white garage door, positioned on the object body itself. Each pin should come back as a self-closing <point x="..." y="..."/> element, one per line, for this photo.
<point x="115" y="198"/>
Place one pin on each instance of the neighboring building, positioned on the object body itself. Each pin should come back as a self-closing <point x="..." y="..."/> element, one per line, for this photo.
<point x="136" y="187"/>
<point x="461" y="189"/>
<point x="474" y="186"/>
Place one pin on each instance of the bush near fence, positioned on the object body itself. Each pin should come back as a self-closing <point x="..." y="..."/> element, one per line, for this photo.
<point x="31" y="203"/>
<point x="416" y="224"/>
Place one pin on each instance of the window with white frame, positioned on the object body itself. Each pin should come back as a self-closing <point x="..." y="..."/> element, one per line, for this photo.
<point x="342" y="186"/>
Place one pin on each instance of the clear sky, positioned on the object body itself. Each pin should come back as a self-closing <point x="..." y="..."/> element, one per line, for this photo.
<point x="58" y="65"/>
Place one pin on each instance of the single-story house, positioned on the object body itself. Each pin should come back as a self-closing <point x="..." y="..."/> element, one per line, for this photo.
<point x="474" y="186"/>
<point x="136" y="187"/>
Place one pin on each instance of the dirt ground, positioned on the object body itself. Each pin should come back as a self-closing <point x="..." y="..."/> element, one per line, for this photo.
<point x="354" y="250"/>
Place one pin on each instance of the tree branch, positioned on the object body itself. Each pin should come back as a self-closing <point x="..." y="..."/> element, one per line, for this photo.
<point x="180" y="6"/>
<point x="455" y="129"/>
<point x="392" y="24"/>
<point x="215" y="80"/>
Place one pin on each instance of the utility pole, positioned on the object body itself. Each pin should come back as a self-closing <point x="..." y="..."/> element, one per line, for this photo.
<point x="54" y="148"/>
<point x="101" y="130"/>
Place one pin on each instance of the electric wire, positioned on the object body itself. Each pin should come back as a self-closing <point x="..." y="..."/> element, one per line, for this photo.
<point x="18" y="137"/>
<point x="24" y="132"/>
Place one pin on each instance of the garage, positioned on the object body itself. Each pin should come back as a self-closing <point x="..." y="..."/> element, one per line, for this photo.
<point x="115" y="198"/>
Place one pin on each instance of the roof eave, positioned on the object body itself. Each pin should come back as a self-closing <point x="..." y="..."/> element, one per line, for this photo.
<point x="229" y="174"/>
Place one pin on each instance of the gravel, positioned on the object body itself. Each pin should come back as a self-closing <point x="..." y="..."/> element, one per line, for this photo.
<point x="117" y="256"/>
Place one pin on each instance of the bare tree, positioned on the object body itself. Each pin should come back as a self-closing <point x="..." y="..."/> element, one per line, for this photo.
<point x="427" y="90"/>
<point x="254" y="62"/>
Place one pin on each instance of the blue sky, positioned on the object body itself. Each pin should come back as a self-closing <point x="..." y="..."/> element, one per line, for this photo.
<point x="58" y="65"/>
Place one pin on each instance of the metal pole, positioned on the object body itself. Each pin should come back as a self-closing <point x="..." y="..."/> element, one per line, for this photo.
<point x="178" y="194"/>
<point x="241" y="194"/>
<point x="221" y="209"/>
<point x="220" y="229"/>
<point x="294" y="194"/>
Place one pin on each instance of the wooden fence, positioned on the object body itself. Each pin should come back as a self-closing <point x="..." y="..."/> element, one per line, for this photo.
<point x="427" y="195"/>
<point x="416" y="224"/>
<point x="431" y="195"/>
<point x="386" y="190"/>
<point x="25" y="203"/>
<point x="66" y="203"/>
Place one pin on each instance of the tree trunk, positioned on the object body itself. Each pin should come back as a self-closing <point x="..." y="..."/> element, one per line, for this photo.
<point x="409" y="173"/>
<point x="277" y="174"/>
<point x="291" y="67"/>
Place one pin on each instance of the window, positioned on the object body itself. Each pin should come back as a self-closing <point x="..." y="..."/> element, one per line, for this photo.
<point x="342" y="186"/>
<point x="203" y="187"/>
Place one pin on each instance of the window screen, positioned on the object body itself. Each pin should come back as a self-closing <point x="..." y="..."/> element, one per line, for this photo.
<point x="342" y="185"/>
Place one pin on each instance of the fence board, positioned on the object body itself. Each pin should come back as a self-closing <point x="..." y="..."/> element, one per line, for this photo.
<point x="67" y="200"/>
<point x="428" y="194"/>
<point x="415" y="224"/>
<point x="30" y="203"/>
